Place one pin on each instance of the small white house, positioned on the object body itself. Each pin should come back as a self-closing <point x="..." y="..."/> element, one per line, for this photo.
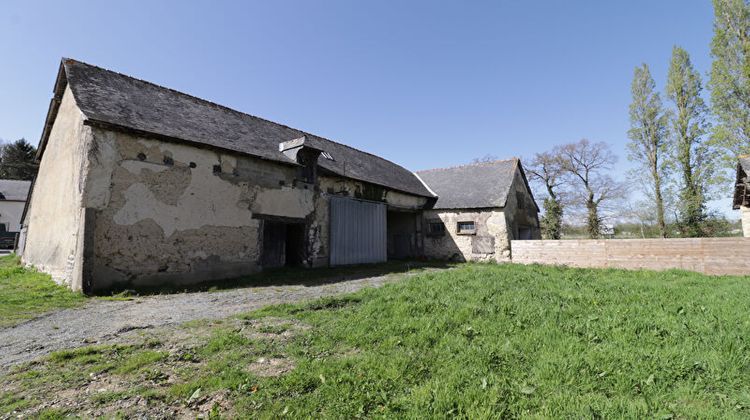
<point x="13" y="194"/>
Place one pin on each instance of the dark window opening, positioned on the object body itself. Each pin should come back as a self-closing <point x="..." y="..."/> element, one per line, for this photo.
<point x="168" y="161"/>
<point x="525" y="232"/>
<point x="217" y="169"/>
<point x="466" y="228"/>
<point x="141" y="156"/>
<point x="192" y="165"/>
<point x="436" y="228"/>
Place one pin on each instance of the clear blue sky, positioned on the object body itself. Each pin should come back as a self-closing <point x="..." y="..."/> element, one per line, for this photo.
<point x="423" y="83"/>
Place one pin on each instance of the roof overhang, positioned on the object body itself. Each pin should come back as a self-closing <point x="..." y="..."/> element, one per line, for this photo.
<point x="61" y="82"/>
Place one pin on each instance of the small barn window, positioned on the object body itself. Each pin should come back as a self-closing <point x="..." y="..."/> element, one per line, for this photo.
<point x="525" y="232"/>
<point x="436" y="228"/>
<point x="466" y="228"/>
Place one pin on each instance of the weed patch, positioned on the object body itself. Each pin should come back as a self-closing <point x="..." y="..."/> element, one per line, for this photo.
<point x="26" y="293"/>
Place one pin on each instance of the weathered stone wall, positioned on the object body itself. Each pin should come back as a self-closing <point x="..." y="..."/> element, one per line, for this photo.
<point x="495" y="228"/>
<point x="172" y="213"/>
<point x="490" y="242"/>
<point x="54" y="233"/>
<point x="520" y="210"/>
<point x="153" y="212"/>
<point x="745" y="221"/>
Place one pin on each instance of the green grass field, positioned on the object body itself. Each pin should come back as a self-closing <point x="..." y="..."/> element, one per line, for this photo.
<point x="26" y="293"/>
<point x="478" y="341"/>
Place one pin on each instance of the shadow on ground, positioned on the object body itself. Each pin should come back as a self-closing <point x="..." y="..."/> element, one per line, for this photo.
<point x="288" y="276"/>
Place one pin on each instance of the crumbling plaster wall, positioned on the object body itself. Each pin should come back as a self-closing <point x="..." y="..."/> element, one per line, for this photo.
<point x="174" y="213"/>
<point x="54" y="219"/>
<point x="177" y="214"/>
<point x="490" y="242"/>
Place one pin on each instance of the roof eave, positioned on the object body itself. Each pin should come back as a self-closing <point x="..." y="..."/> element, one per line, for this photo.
<point x="61" y="82"/>
<point x="330" y="172"/>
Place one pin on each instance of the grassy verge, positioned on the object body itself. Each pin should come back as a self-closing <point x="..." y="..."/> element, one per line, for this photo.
<point x="478" y="341"/>
<point x="26" y="293"/>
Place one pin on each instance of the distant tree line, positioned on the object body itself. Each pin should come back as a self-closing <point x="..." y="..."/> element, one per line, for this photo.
<point x="684" y="148"/>
<point x="18" y="160"/>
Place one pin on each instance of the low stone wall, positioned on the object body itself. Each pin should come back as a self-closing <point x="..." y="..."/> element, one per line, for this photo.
<point x="716" y="256"/>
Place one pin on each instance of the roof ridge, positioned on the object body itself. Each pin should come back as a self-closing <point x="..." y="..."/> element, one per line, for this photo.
<point x="218" y="105"/>
<point x="513" y="159"/>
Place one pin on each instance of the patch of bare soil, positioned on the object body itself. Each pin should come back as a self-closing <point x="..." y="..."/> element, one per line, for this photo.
<point x="144" y="392"/>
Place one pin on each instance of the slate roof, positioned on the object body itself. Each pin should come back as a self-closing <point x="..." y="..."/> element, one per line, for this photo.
<point x="480" y="185"/>
<point x="118" y="101"/>
<point x="12" y="189"/>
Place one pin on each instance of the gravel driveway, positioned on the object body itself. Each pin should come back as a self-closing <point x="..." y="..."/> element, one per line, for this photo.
<point x="102" y="321"/>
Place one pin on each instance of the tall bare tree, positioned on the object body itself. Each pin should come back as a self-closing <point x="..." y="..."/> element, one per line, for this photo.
<point x="546" y="169"/>
<point x="649" y="136"/>
<point x="588" y="163"/>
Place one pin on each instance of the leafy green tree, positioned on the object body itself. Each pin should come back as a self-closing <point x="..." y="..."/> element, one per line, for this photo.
<point x="730" y="79"/>
<point x="551" y="223"/>
<point x="546" y="170"/>
<point x="690" y="153"/>
<point x="648" y="134"/>
<point x="17" y="160"/>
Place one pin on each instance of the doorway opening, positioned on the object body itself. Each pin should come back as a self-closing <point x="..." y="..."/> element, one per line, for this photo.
<point x="283" y="244"/>
<point x="402" y="234"/>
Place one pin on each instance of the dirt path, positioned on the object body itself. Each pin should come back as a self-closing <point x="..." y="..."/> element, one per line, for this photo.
<point x="101" y="321"/>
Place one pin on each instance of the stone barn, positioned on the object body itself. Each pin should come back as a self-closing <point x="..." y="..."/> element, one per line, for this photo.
<point x="479" y="210"/>
<point x="741" y="199"/>
<point x="142" y="185"/>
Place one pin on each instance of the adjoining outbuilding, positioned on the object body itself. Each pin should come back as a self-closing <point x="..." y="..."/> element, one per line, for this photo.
<point x="141" y="185"/>
<point x="741" y="199"/>
<point x="479" y="210"/>
<point x="13" y="194"/>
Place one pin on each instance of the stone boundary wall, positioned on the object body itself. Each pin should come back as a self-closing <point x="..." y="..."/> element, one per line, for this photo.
<point x="716" y="256"/>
